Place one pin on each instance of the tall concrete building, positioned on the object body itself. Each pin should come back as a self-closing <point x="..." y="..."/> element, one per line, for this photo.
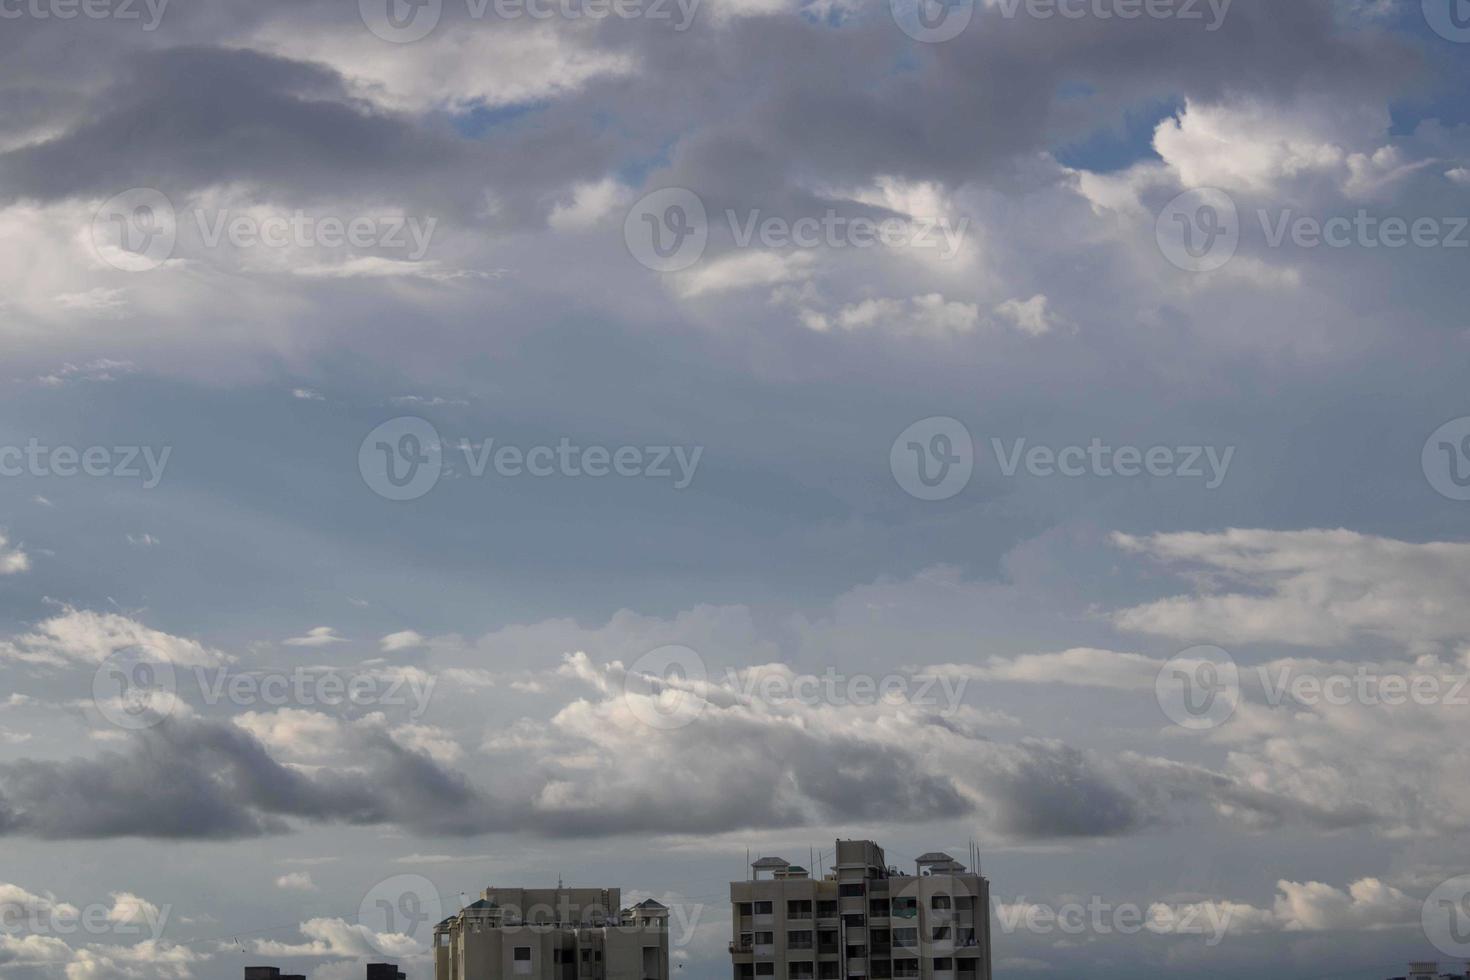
<point x="862" y="921"/>
<point x="553" y="934"/>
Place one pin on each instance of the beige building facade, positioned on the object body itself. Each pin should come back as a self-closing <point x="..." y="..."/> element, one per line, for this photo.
<point x="553" y="934"/>
<point x="864" y="920"/>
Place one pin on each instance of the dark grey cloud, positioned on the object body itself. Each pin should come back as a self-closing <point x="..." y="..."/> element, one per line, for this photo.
<point x="197" y="779"/>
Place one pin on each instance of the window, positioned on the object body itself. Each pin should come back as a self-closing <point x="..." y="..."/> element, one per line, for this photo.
<point x="827" y="970"/>
<point x="799" y="940"/>
<point x="905" y="908"/>
<point x="765" y="969"/>
<point x="743" y="908"/>
<point x="826" y="910"/>
<point x="523" y="954"/>
<point x="878" y="907"/>
<point x="939" y="902"/>
<point x="765" y="938"/>
<point x="799" y="910"/>
<point x="964" y="903"/>
<point x="905" y="969"/>
<point x="556" y="955"/>
<point x="522" y="957"/>
<point x="744" y="971"/>
<point x="941" y="934"/>
<point x="850" y="891"/>
<point x="943" y="963"/>
<point x="800" y="971"/>
<point x="853" y="920"/>
<point x="906" y="937"/>
<point x="762" y="908"/>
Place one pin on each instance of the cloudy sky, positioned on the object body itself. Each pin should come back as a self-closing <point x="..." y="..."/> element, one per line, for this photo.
<point x="467" y="443"/>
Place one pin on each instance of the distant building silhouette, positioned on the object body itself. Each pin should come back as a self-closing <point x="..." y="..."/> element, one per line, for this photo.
<point x="553" y="934"/>
<point x="375" y="971"/>
<point x="864" y="921"/>
<point x="1429" y="970"/>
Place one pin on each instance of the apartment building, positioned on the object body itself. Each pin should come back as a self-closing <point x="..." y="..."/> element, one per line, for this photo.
<point x="864" y="920"/>
<point x="553" y="934"/>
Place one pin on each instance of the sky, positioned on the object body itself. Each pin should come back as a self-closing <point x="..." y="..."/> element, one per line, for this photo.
<point x="451" y="444"/>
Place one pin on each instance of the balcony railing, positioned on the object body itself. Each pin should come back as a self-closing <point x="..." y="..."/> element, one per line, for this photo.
<point x="740" y="945"/>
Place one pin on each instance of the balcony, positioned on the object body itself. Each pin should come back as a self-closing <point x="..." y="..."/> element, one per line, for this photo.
<point x="741" y="946"/>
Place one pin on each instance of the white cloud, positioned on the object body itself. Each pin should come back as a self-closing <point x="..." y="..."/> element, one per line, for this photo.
<point x="929" y="315"/>
<point x="317" y="636"/>
<point x="296" y="881"/>
<point x="1033" y="316"/>
<point x="12" y="559"/>
<point x="744" y="269"/>
<point x="590" y="203"/>
<point x="402" y="640"/>
<point x="82" y="636"/>
<point x="1312" y="588"/>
